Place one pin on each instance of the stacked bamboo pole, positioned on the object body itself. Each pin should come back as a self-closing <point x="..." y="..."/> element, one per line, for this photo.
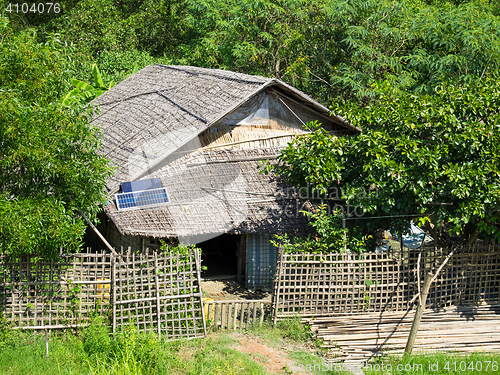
<point x="361" y="337"/>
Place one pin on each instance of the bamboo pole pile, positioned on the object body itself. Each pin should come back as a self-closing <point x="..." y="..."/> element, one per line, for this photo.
<point x="361" y="337"/>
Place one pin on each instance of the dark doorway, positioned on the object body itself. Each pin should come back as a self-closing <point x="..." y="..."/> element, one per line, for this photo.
<point x="219" y="255"/>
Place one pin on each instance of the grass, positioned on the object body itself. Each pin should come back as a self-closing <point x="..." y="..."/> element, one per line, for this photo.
<point x="437" y="364"/>
<point x="93" y="351"/>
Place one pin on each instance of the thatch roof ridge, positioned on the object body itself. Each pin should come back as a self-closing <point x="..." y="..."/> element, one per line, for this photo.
<point x="153" y="111"/>
<point x="218" y="73"/>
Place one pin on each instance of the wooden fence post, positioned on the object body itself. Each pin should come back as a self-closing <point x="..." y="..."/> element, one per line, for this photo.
<point x="46" y="344"/>
<point x="276" y="287"/>
<point x="197" y="261"/>
<point x="157" y="292"/>
<point x="113" y="289"/>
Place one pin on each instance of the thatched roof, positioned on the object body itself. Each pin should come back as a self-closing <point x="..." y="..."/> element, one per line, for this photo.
<point x="216" y="192"/>
<point x="152" y="118"/>
<point x="154" y="112"/>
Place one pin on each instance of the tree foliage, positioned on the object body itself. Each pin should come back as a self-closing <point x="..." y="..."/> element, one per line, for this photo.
<point x="434" y="156"/>
<point x="413" y="46"/>
<point x="84" y="92"/>
<point x="49" y="164"/>
<point x="327" y="48"/>
<point x="331" y="235"/>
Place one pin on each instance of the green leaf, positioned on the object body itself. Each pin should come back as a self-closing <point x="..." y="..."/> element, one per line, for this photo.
<point x="97" y="76"/>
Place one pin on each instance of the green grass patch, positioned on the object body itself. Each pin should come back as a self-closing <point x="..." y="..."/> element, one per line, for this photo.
<point x="26" y="355"/>
<point x="437" y="364"/>
<point x="291" y="330"/>
<point x="95" y="351"/>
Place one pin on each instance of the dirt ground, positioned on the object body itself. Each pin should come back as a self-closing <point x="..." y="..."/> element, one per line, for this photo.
<point x="275" y="360"/>
<point x="230" y="290"/>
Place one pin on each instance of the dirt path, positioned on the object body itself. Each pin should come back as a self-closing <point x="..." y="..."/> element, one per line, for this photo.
<point x="275" y="360"/>
<point x="230" y="289"/>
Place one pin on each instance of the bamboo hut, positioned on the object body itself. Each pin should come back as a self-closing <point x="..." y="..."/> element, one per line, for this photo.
<point x="193" y="138"/>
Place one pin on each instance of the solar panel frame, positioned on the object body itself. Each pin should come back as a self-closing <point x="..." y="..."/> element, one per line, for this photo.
<point x="140" y="185"/>
<point x="142" y="199"/>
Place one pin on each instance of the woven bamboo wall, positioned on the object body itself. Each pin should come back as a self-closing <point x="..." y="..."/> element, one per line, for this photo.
<point x="325" y="284"/>
<point x="261" y="258"/>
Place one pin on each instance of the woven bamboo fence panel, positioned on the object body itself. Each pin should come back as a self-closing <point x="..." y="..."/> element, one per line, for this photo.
<point x="325" y="284"/>
<point x="159" y="293"/>
<point x="236" y="315"/>
<point x="40" y="294"/>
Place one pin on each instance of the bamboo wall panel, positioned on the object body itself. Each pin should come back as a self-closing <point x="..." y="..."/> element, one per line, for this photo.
<point x="159" y="292"/>
<point x="326" y="284"/>
<point x="261" y="258"/>
<point x="48" y="293"/>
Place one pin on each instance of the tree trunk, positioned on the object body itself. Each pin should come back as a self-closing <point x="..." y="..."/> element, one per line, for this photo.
<point x="472" y="237"/>
<point x="418" y="313"/>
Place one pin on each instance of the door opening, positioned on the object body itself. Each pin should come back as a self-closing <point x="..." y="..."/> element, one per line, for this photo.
<point x="219" y="256"/>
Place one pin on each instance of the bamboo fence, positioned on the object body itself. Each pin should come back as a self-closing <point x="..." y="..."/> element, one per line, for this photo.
<point x="39" y="294"/>
<point x="236" y="315"/>
<point x="159" y="293"/>
<point x="325" y="284"/>
<point x="156" y="292"/>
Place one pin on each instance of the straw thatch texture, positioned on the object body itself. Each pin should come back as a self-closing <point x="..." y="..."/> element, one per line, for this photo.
<point x="216" y="191"/>
<point x="158" y="110"/>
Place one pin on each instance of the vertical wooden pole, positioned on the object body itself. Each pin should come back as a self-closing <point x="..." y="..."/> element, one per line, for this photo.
<point x="229" y="315"/>
<point x="345" y="231"/>
<point x="113" y="289"/>
<point x="276" y="287"/>
<point x="197" y="260"/>
<point x="157" y="293"/>
<point x="435" y="237"/>
<point x="261" y="314"/>
<point x="242" y="315"/>
<point x="46" y="344"/>
<point x="418" y="314"/>
<point x="216" y="316"/>
<point x="248" y="315"/>
<point x="235" y="316"/>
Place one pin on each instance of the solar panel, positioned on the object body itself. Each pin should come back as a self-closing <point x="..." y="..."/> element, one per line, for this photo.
<point x="153" y="183"/>
<point x="142" y="199"/>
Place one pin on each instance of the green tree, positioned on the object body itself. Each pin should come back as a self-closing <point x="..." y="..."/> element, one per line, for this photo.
<point x="83" y="92"/>
<point x="327" y="48"/>
<point x="49" y="164"/>
<point x="412" y="45"/>
<point x="435" y="156"/>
